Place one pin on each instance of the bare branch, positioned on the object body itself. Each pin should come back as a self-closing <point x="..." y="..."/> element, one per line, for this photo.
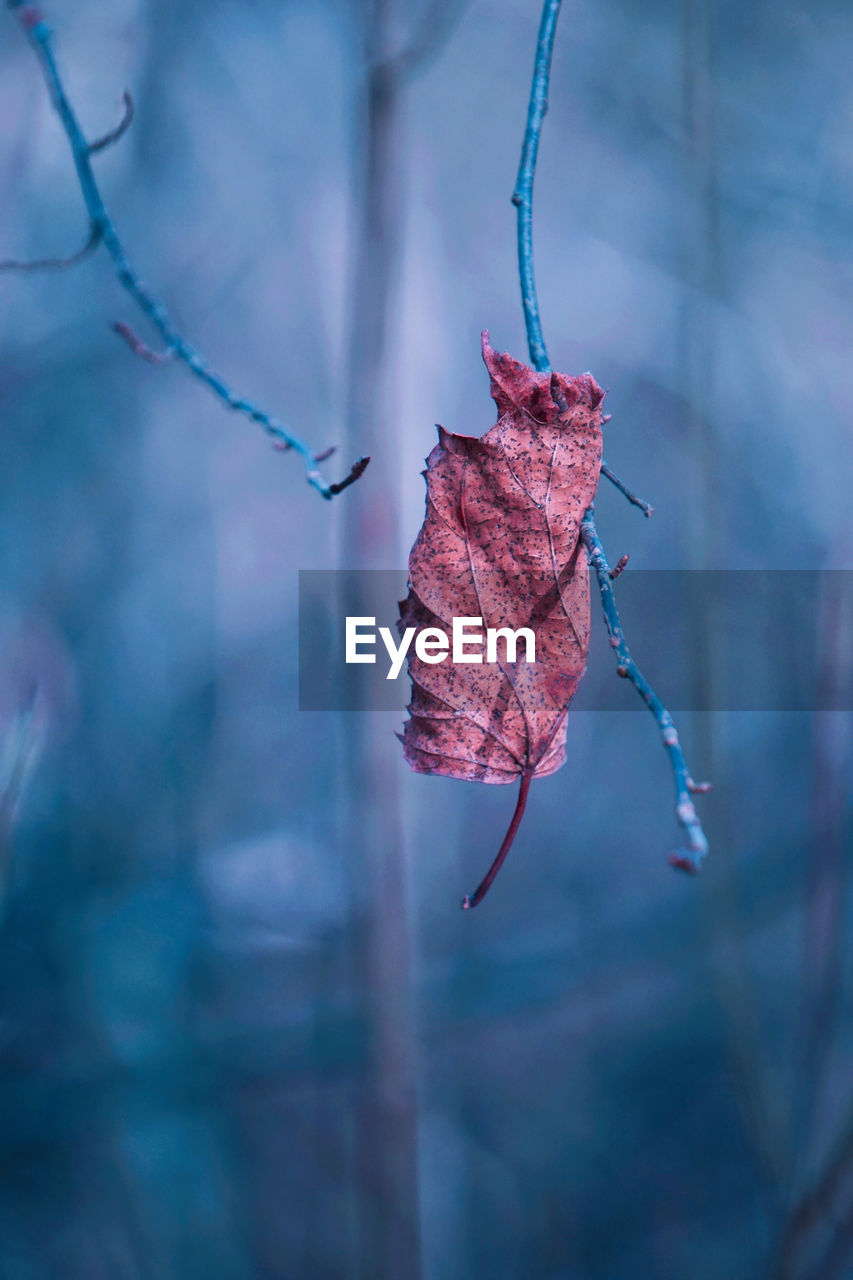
<point x="522" y="196"/>
<point x="688" y="859"/>
<point x="121" y="128"/>
<point x="104" y="231"/>
<point x="56" y="264"/>
<point x="623" y="488"/>
<point x="357" y="469"/>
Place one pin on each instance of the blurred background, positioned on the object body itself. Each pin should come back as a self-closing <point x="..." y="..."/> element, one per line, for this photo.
<point x="245" y="1029"/>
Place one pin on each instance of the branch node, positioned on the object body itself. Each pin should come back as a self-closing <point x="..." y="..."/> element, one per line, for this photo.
<point x="619" y="566"/>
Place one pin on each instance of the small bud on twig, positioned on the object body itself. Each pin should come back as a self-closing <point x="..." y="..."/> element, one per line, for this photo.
<point x="619" y="566"/>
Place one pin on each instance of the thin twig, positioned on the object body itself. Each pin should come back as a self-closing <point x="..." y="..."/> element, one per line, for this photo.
<point x="357" y="469"/>
<point x="688" y="859"/>
<point x="522" y="196"/>
<point x="623" y="488"/>
<point x="55" y="264"/>
<point x="108" y="139"/>
<point x="104" y="231"/>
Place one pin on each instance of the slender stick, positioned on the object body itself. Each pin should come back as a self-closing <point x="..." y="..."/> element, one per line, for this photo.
<point x="688" y="859"/>
<point x="645" y="507"/>
<point x="93" y="239"/>
<point x="103" y="231"/>
<point x="109" y="139"/>
<point x="522" y="196"/>
<point x="486" y="883"/>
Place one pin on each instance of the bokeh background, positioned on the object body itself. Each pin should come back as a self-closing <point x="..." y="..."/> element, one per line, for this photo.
<point x="245" y="1029"/>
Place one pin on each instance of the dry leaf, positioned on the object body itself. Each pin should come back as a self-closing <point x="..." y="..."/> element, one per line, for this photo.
<point x="500" y="541"/>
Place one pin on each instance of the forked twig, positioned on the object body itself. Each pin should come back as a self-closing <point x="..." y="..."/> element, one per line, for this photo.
<point x="103" y="231"/>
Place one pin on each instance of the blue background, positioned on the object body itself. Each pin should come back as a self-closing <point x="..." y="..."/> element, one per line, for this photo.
<point x="245" y="1029"/>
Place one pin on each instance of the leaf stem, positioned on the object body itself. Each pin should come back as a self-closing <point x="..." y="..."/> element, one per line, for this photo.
<point x="486" y="883"/>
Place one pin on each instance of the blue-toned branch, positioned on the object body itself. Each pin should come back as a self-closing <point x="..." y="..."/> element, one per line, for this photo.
<point x="689" y="858"/>
<point x="645" y="507"/>
<point x="103" y="231"/>
<point x="522" y="198"/>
